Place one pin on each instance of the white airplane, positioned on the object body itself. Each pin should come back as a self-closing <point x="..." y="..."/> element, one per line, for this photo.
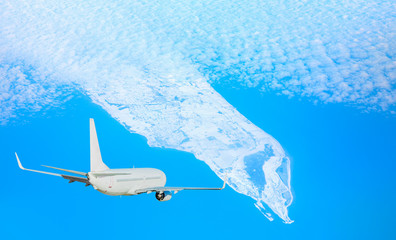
<point x="126" y="181"/>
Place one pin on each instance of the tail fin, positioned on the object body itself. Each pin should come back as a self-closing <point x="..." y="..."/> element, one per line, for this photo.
<point x="97" y="164"/>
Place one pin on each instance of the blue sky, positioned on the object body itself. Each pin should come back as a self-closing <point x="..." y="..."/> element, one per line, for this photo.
<point x="342" y="177"/>
<point x="198" y="90"/>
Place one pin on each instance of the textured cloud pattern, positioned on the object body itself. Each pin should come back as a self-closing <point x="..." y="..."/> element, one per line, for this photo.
<point x="329" y="51"/>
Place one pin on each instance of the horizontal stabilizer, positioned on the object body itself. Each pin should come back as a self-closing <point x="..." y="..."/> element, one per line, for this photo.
<point x="66" y="170"/>
<point x="109" y="173"/>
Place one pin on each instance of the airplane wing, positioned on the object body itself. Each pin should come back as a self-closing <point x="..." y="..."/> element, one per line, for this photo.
<point x="177" y="189"/>
<point x="68" y="177"/>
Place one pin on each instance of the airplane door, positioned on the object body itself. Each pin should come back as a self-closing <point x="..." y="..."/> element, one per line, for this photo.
<point x="111" y="182"/>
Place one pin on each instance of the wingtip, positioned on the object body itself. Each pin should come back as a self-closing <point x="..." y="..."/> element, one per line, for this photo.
<point x="225" y="182"/>
<point x="19" y="162"/>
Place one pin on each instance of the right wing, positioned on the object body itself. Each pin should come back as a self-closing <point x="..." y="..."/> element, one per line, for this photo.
<point x="178" y="189"/>
<point x="68" y="177"/>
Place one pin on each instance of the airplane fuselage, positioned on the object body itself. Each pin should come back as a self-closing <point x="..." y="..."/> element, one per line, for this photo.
<point x="126" y="181"/>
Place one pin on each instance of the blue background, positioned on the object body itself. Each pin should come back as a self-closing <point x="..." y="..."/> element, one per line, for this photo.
<point x="342" y="166"/>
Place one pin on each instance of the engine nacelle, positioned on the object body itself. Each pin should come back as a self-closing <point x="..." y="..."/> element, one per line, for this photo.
<point x="163" y="196"/>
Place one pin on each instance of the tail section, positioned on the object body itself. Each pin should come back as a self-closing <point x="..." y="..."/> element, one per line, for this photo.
<point x="97" y="164"/>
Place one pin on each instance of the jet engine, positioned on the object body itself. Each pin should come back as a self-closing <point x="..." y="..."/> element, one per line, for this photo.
<point x="163" y="196"/>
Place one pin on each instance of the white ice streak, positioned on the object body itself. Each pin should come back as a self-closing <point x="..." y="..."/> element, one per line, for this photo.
<point x="107" y="51"/>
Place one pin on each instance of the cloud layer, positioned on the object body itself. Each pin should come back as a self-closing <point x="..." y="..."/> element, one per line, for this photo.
<point x="328" y="51"/>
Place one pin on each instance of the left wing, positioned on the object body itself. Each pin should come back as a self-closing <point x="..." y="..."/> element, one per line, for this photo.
<point x="68" y="177"/>
<point x="177" y="189"/>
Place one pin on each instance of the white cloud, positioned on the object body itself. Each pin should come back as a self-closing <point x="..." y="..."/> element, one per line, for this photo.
<point x="334" y="51"/>
<point x="20" y="94"/>
<point x="294" y="47"/>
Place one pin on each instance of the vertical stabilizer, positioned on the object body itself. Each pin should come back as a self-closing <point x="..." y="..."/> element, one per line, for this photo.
<point x="97" y="164"/>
